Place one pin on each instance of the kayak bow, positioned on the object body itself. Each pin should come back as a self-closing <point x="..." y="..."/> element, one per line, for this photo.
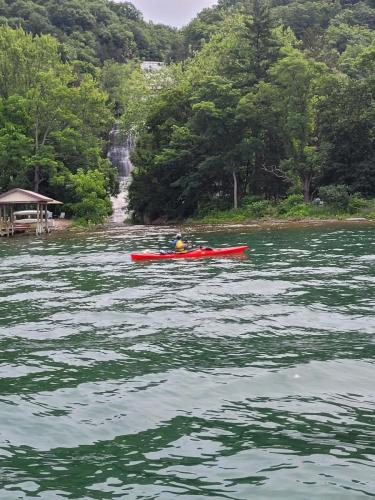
<point x="192" y="254"/>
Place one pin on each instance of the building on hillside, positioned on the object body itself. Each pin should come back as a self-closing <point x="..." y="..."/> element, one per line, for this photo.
<point x="152" y="65"/>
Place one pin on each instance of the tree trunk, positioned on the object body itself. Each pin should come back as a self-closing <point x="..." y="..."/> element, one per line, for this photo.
<point x="306" y="188"/>
<point x="235" y="190"/>
<point x="36" y="178"/>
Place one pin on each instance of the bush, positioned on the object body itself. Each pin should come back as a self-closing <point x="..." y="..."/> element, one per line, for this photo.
<point x="220" y="217"/>
<point x="337" y="196"/>
<point x="299" y="211"/>
<point x="250" y="199"/>
<point x="294" y="200"/>
<point x="356" y="203"/>
<point x="213" y="206"/>
<point x="91" y="201"/>
<point x="262" y="208"/>
<point x="92" y="209"/>
<point x="81" y="223"/>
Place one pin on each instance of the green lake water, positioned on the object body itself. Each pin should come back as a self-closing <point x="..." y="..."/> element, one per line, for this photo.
<point x="227" y="378"/>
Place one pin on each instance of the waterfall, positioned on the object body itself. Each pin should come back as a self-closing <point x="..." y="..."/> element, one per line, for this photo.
<point x="119" y="155"/>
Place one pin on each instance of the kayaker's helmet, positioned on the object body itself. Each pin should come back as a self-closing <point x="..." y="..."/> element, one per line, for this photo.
<point x="178" y="236"/>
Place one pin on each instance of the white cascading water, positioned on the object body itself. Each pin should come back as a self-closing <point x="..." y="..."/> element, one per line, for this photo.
<point x="119" y="155"/>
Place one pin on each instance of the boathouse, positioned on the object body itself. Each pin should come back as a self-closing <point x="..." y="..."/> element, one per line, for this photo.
<point x="22" y="197"/>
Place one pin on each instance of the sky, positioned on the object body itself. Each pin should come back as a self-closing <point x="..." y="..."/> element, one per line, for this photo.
<point x="172" y="12"/>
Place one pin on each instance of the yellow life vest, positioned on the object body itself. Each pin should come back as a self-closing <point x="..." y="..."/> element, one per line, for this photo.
<point x="180" y="246"/>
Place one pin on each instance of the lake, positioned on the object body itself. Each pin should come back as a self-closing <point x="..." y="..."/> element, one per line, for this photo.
<point x="231" y="378"/>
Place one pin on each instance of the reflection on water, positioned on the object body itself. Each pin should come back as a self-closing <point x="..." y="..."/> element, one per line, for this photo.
<point x="224" y="378"/>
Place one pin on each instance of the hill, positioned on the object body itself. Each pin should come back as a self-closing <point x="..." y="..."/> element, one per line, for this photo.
<point x="92" y="31"/>
<point x="317" y="23"/>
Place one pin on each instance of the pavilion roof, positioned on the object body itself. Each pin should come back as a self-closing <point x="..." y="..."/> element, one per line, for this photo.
<point x="23" y="196"/>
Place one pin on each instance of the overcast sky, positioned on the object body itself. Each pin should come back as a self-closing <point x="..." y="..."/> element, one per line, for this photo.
<point x="172" y="12"/>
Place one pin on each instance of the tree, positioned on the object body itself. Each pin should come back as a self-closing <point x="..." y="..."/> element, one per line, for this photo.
<point x="194" y="157"/>
<point x="346" y="131"/>
<point x="200" y="30"/>
<point x="23" y="58"/>
<point x="259" y="26"/>
<point x="263" y="144"/>
<point x="306" y="16"/>
<point x="213" y="119"/>
<point x="296" y="78"/>
<point x="153" y="191"/>
<point x="15" y="145"/>
<point x="50" y="122"/>
<point x="90" y="200"/>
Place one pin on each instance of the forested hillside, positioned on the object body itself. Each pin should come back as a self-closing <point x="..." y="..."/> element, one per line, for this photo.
<point x="321" y="25"/>
<point x="64" y="68"/>
<point x="92" y="31"/>
<point x="52" y="125"/>
<point x="274" y="100"/>
<point x="260" y="102"/>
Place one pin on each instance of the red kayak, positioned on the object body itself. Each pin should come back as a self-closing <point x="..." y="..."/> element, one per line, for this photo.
<point x="192" y="254"/>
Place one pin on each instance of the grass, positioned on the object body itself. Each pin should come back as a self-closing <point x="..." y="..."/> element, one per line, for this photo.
<point x="81" y="223"/>
<point x="265" y="210"/>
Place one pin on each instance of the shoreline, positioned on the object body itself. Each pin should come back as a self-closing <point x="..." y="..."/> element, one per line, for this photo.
<point x="259" y="223"/>
<point x="67" y="228"/>
<point x="250" y="223"/>
<point x="254" y="224"/>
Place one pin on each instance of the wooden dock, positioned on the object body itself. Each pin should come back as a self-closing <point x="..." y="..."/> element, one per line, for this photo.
<point x="22" y="197"/>
<point x="6" y="227"/>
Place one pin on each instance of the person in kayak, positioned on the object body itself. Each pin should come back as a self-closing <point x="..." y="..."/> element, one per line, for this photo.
<point x="179" y="245"/>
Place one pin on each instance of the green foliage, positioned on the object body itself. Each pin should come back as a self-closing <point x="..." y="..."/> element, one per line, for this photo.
<point x="356" y="203"/>
<point x="290" y="203"/>
<point x="222" y="217"/>
<point x="297" y="79"/>
<point x="93" y="31"/>
<point x="298" y="211"/>
<point x="260" y="209"/>
<point x="253" y="208"/>
<point x="341" y="37"/>
<point x="51" y="125"/>
<point x="345" y="129"/>
<point x="200" y="30"/>
<point x="195" y="148"/>
<point x="336" y="195"/>
<point x="293" y="208"/>
<point x="91" y="202"/>
<point x="25" y="59"/>
<point x="338" y="198"/>
<point x="249" y="199"/>
<point x="266" y="99"/>
<point x="274" y="99"/>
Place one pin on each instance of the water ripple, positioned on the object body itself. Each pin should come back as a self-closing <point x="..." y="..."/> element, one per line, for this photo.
<point x="228" y="378"/>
